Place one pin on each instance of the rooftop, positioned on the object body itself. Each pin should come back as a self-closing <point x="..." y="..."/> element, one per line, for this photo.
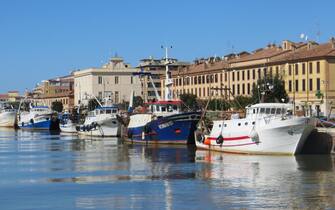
<point x="309" y="52"/>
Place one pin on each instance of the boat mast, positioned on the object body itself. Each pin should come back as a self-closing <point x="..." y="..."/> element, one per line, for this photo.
<point x="168" y="80"/>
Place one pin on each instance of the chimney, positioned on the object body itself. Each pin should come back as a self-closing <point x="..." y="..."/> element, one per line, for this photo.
<point x="287" y="45"/>
<point x="311" y="44"/>
<point x="332" y="42"/>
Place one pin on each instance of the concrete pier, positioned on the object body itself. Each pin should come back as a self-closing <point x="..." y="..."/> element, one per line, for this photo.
<point x="331" y="132"/>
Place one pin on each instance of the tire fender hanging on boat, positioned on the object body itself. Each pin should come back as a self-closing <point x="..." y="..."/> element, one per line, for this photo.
<point x="219" y="139"/>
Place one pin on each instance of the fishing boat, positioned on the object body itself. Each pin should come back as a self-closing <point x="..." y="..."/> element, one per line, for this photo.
<point x="268" y="128"/>
<point x="163" y="121"/>
<point x="37" y="118"/>
<point x="66" y="125"/>
<point x="103" y="121"/>
<point x="7" y="115"/>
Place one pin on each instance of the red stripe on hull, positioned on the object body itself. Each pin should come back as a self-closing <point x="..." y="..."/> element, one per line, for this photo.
<point x="230" y="138"/>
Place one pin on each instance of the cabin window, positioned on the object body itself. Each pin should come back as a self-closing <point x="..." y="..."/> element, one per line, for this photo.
<point x="108" y="111"/>
<point x="101" y="111"/>
<point x="278" y="111"/>
<point x="225" y="125"/>
<point x="253" y="123"/>
<point x="239" y="124"/>
<point x="267" y="111"/>
<point x="163" y="109"/>
<point x="262" y="110"/>
<point x="114" y="110"/>
<point x="246" y="123"/>
<point x="254" y="111"/>
<point x="220" y="125"/>
<point x="273" y="111"/>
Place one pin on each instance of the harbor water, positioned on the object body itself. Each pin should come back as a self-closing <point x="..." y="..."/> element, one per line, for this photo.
<point x="42" y="170"/>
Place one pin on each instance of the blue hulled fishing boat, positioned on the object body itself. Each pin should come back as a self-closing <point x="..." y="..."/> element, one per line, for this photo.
<point x="163" y="121"/>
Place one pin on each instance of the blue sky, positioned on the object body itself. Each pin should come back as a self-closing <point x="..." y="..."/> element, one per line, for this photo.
<point x="41" y="39"/>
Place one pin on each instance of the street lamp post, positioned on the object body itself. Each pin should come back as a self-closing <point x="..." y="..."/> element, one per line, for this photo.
<point x="325" y="82"/>
<point x="294" y="86"/>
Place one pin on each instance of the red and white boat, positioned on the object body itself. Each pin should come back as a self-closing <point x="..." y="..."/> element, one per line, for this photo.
<point x="268" y="128"/>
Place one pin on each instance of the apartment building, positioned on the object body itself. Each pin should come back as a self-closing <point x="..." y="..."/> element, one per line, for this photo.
<point x="56" y="89"/>
<point x="307" y="69"/>
<point x="114" y="80"/>
<point x="10" y="96"/>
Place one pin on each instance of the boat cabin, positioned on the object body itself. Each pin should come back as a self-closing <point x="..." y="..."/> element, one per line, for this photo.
<point x="39" y="109"/>
<point x="268" y="109"/>
<point x="165" y="107"/>
<point x="107" y="110"/>
<point x="6" y="108"/>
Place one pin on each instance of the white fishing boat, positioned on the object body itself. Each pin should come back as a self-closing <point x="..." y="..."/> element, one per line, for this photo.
<point x="66" y="125"/>
<point x="37" y="118"/>
<point x="268" y="128"/>
<point x="7" y="115"/>
<point x="101" y="122"/>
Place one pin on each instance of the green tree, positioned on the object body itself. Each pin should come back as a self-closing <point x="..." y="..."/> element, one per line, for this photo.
<point x="240" y="102"/>
<point x="57" y="106"/>
<point x="189" y="101"/>
<point x="269" y="89"/>
<point x="218" y="104"/>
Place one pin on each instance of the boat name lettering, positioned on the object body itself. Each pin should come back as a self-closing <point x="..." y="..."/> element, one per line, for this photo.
<point x="165" y="125"/>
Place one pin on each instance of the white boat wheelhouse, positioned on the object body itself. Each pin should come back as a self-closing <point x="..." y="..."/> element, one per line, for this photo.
<point x="273" y="110"/>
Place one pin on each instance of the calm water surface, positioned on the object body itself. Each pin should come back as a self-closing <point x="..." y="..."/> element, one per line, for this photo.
<point x="39" y="170"/>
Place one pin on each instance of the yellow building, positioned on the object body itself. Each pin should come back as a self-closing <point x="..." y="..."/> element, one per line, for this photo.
<point x="58" y="89"/>
<point x="308" y="70"/>
<point x="10" y="96"/>
<point x="200" y="78"/>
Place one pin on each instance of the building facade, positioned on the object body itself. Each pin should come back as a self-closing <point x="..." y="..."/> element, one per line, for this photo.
<point x="114" y="80"/>
<point x="57" y="89"/>
<point x="307" y="69"/>
<point x="10" y="96"/>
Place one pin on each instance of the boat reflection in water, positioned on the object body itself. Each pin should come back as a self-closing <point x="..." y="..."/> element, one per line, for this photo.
<point x="138" y="165"/>
<point x="268" y="181"/>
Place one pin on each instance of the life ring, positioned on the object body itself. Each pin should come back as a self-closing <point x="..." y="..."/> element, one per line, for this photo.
<point x="200" y="137"/>
<point x="219" y="139"/>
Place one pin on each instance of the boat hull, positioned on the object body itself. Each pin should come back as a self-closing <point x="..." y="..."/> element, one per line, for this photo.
<point x="7" y="119"/>
<point x="68" y="128"/>
<point x="283" y="138"/>
<point x="173" y="129"/>
<point x="39" y="122"/>
<point x="41" y="125"/>
<point x="105" y="128"/>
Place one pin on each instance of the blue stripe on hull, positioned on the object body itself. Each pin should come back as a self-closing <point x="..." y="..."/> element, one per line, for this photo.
<point x="44" y="125"/>
<point x="179" y="131"/>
